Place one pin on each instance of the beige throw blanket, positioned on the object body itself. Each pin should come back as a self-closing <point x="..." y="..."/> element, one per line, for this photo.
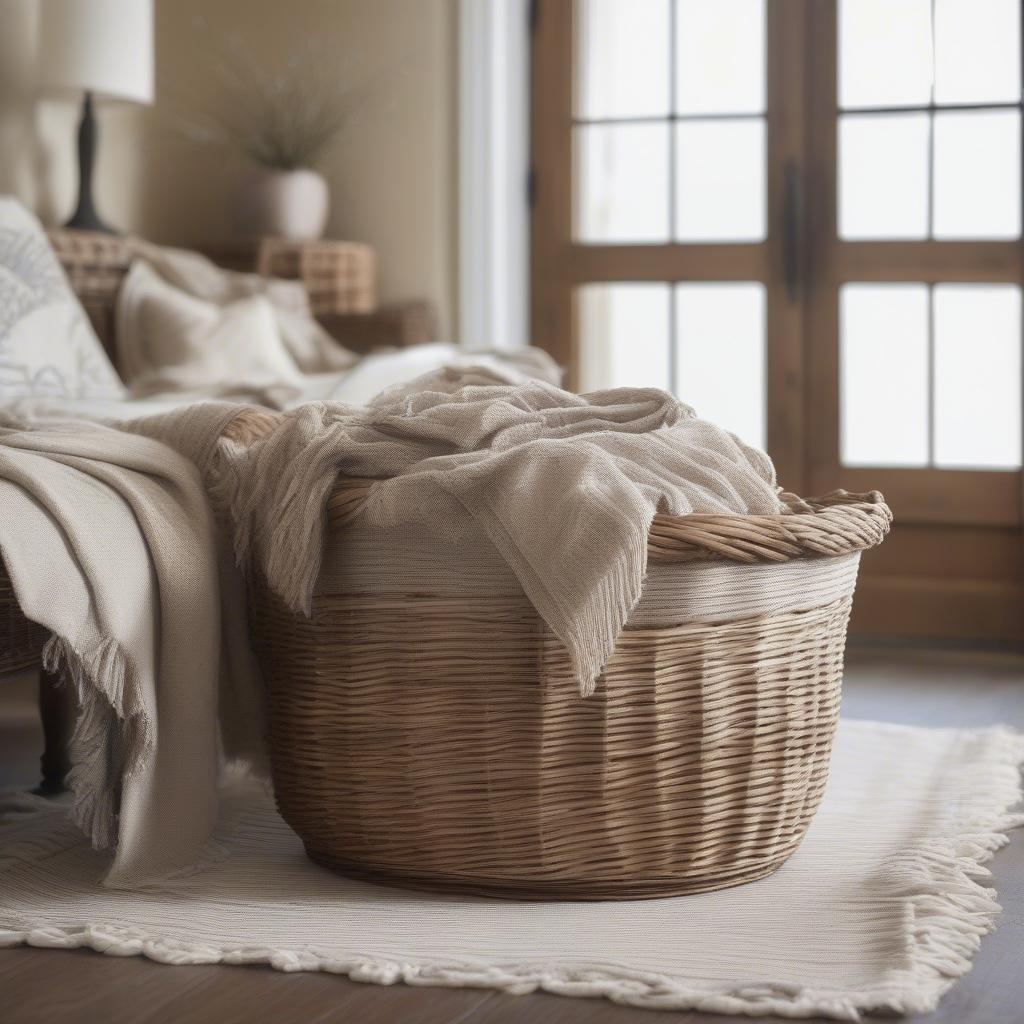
<point x="110" y="544"/>
<point x="565" y="486"/>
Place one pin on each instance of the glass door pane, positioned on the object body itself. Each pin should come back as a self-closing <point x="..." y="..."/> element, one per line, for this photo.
<point x="625" y="331"/>
<point x="883" y="176"/>
<point x="623" y="58"/>
<point x="977" y="392"/>
<point x="883" y="345"/>
<point x="719" y="56"/>
<point x="720" y="355"/>
<point x="622" y="184"/>
<point x="977" y="181"/>
<point x="720" y="181"/>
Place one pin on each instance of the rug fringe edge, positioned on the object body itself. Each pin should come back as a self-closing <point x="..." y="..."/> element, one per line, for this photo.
<point x="951" y="915"/>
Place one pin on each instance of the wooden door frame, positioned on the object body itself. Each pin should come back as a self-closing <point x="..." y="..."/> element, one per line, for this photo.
<point x="953" y="565"/>
<point x="552" y="319"/>
<point x="927" y="495"/>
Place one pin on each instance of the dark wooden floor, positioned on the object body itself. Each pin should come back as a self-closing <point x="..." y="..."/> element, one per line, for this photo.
<point x="79" y="987"/>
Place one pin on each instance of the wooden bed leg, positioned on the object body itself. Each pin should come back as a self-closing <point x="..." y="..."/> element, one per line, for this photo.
<point x="57" y="711"/>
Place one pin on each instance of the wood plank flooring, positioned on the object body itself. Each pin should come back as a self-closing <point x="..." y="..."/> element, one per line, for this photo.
<point x="933" y="687"/>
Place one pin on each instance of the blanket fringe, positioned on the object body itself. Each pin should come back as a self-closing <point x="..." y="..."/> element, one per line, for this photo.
<point x="613" y="603"/>
<point x="287" y="545"/>
<point x="110" y="741"/>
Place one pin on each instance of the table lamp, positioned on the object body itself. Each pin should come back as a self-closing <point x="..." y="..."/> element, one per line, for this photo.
<point x="102" y="49"/>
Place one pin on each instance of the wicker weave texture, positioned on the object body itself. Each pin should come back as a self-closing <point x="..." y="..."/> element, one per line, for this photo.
<point x="442" y="743"/>
<point x="340" y="277"/>
<point x="96" y="265"/>
<point x="21" y="641"/>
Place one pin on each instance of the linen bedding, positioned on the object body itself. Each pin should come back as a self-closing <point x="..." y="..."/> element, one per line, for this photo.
<point x="371" y="375"/>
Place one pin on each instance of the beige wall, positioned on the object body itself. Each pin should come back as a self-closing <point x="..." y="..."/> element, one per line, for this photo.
<point x="392" y="175"/>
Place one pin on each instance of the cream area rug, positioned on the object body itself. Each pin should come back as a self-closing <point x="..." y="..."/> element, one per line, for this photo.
<point x="880" y="908"/>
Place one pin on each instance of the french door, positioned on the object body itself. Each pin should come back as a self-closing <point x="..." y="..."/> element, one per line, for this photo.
<point x="804" y="218"/>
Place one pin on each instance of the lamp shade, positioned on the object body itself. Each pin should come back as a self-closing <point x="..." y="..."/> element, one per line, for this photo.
<point x="102" y="46"/>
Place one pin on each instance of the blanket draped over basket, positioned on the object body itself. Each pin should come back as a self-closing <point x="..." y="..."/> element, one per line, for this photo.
<point x="439" y="576"/>
<point x="110" y="545"/>
<point x="564" y="486"/>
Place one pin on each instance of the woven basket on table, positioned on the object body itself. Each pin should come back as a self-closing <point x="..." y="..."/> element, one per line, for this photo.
<point x="439" y="741"/>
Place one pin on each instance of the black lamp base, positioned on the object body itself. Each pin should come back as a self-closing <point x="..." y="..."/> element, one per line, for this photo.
<point x="85" y="217"/>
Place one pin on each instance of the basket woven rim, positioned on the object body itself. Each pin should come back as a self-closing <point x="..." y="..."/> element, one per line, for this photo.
<point x="838" y="523"/>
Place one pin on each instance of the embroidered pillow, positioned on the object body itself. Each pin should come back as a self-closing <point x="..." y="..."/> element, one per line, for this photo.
<point x="47" y="345"/>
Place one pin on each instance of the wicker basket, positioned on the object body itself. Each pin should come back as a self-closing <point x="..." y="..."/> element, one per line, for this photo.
<point x="439" y="742"/>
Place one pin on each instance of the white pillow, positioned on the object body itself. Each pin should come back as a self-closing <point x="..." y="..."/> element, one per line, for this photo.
<point x="169" y="340"/>
<point x="47" y="345"/>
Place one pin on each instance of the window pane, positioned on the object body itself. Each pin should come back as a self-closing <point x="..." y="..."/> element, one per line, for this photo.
<point x="883" y="176"/>
<point x="885" y="53"/>
<point x="720" y="355"/>
<point x="720" y="62"/>
<point x="622" y="183"/>
<point x="623" y="58"/>
<point x="720" y="181"/>
<point x="977" y="51"/>
<point x="624" y="336"/>
<point x="977" y="375"/>
<point x="884" y="374"/>
<point x="977" y="174"/>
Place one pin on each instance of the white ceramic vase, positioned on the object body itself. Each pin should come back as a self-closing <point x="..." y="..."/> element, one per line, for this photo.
<point x="285" y="204"/>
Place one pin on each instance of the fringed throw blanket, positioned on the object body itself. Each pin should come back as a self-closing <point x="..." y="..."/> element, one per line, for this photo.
<point x="565" y="487"/>
<point x="110" y="544"/>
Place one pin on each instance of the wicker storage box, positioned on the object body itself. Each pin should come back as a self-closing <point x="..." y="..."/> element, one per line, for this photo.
<point x="340" y="277"/>
<point x="432" y="737"/>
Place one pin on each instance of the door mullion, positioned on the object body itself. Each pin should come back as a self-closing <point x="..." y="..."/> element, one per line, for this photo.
<point x="787" y="97"/>
<point x="821" y="300"/>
